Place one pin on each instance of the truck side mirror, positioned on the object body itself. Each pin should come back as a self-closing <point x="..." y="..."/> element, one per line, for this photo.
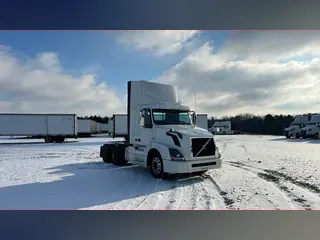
<point x="194" y="118"/>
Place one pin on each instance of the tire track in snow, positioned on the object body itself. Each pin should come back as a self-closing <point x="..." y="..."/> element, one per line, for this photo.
<point x="228" y="202"/>
<point x="301" y="193"/>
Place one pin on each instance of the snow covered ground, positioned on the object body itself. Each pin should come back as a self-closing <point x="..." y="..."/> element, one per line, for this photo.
<point x="259" y="172"/>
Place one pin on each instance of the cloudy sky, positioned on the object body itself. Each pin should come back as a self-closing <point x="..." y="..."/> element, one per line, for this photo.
<point x="231" y="72"/>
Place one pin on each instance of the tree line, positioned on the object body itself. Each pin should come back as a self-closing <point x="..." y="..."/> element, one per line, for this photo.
<point x="247" y="123"/>
<point x="267" y="124"/>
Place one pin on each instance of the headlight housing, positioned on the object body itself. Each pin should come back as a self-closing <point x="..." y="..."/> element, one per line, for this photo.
<point x="176" y="155"/>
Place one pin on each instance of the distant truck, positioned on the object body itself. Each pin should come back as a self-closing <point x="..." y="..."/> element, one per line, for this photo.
<point x="312" y="130"/>
<point x="202" y="121"/>
<point x="50" y="127"/>
<point x="161" y="134"/>
<point x="221" y="128"/>
<point x="294" y="129"/>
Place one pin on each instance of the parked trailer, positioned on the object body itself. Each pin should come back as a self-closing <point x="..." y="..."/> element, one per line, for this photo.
<point x="94" y="128"/>
<point x="312" y="130"/>
<point x="98" y="127"/>
<point x="162" y="134"/>
<point x="84" y="127"/>
<point x="104" y="127"/>
<point x="294" y="129"/>
<point x="202" y="121"/>
<point x="110" y="125"/>
<point x="120" y="125"/>
<point x="50" y="127"/>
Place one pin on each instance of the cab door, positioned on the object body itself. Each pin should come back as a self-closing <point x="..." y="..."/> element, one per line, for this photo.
<point x="143" y="137"/>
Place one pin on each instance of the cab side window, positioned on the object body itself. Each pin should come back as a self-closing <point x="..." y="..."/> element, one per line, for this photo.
<point x="147" y="118"/>
<point x="141" y="122"/>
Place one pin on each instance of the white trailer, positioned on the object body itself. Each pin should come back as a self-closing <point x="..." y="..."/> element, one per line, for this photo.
<point x="104" y="127"/>
<point x="84" y="127"/>
<point x="94" y="128"/>
<point x="221" y="128"/>
<point x="98" y="127"/>
<point x="50" y="127"/>
<point x="120" y="125"/>
<point x="162" y="134"/>
<point x="312" y="130"/>
<point x="202" y="121"/>
<point x="294" y="130"/>
<point x="110" y="125"/>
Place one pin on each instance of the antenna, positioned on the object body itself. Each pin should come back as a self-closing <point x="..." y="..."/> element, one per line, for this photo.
<point x="195" y="101"/>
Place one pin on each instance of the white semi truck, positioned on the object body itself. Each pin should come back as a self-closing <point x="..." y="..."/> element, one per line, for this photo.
<point x="221" y="128"/>
<point x="294" y="130"/>
<point x="50" y="127"/>
<point x="202" y="121"/>
<point x="312" y="130"/>
<point x="162" y="134"/>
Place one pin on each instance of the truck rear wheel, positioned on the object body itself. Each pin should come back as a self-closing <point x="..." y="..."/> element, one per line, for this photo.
<point x="118" y="155"/>
<point x="59" y="139"/>
<point x="156" y="166"/>
<point x="106" y="153"/>
<point x="48" y="139"/>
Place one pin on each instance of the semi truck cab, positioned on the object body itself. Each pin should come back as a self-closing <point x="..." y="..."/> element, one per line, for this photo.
<point x="313" y="128"/>
<point x="162" y="134"/>
<point x="294" y="129"/>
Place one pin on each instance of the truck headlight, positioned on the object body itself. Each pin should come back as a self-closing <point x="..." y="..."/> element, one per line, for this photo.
<point x="175" y="155"/>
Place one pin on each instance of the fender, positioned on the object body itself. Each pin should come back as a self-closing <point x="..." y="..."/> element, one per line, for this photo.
<point x="162" y="148"/>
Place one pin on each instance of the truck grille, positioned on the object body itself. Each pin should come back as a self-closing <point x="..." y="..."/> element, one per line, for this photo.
<point x="304" y="133"/>
<point x="198" y="144"/>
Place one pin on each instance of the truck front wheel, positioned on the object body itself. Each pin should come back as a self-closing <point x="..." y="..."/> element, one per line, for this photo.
<point x="156" y="166"/>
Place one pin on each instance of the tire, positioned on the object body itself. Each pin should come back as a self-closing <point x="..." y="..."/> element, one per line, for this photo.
<point x="287" y="136"/>
<point x="298" y="135"/>
<point x="48" y="139"/>
<point x="156" y="166"/>
<point x="223" y="133"/>
<point x="316" y="136"/>
<point x="117" y="156"/>
<point x="106" y="154"/>
<point x="59" y="139"/>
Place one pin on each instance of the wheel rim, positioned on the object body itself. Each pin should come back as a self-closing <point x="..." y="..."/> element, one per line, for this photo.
<point x="156" y="165"/>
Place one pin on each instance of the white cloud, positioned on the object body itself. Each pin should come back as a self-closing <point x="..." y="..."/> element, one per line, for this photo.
<point x="249" y="74"/>
<point x="40" y="85"/>
<point x="160" y="43"/>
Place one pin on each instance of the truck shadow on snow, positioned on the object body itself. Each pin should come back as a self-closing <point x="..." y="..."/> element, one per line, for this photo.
<point x="87" y="185"/>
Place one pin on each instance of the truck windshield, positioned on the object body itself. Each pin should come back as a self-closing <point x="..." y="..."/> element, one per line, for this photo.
<point x="171" y="117"/>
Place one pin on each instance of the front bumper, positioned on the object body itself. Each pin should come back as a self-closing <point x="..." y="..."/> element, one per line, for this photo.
<point x="174" y="167"/>
<point x="311" y="135"/>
